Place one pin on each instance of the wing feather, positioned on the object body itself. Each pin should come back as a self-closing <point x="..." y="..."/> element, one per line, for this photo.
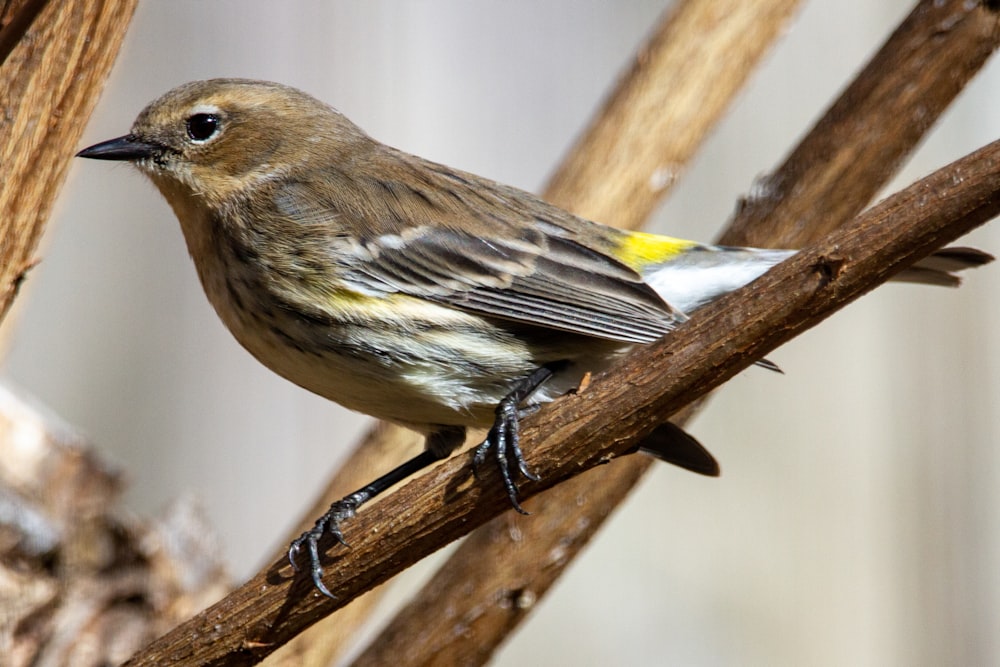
<point x="549" y="282"/>
<point x="491" y="250"/>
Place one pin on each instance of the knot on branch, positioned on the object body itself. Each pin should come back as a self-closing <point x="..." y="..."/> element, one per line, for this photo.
<point x="828" y="268"/>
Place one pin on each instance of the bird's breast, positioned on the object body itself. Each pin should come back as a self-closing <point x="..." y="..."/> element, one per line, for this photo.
<point x="391" y="356"/>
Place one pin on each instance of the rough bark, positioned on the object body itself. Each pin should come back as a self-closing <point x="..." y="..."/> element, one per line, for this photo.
<point x="578" y="432"/>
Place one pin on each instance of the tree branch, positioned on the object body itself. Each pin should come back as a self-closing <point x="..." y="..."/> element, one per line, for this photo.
<point x="876" y="122"/>
<point x="49" y="83"/>
<point x="680" y="83"/>
<point x="862" y="139"/>
<point x="577" y="432"/>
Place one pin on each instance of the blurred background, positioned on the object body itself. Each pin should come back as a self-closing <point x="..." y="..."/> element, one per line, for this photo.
<point x="857" y="520"/>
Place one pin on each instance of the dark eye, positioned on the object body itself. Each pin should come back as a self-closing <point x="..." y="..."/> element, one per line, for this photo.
<point x="202" y="126"/>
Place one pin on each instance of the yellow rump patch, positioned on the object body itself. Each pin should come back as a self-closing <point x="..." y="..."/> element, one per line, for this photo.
<point x="640" y="249"/>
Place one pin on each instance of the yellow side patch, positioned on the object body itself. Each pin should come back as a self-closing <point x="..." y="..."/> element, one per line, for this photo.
<point x="395" y="309"/>
<point x="640" y="249"/>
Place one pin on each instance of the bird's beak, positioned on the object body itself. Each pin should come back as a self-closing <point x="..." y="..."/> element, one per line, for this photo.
<point x="128" y="147"/>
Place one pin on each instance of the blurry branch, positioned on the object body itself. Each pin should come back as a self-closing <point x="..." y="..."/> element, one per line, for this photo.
<point x="873" y="126"/>
<point x="659" y="114"/>
<point x="80" y="584"/>
<point x="57" y="59"/>
<point x="480" y="593"/>
<point x="578" y="432"/>
<point x="680" y="82"/>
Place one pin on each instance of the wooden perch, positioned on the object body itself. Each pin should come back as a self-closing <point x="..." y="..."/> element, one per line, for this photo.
<point x="577" y="432"/>
<point x="895" y="98"/>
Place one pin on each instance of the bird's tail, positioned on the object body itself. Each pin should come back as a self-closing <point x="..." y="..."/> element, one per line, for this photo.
<point x="670" y="443"/>
<point x="939" y="268"/>
<point x="703" y="273"/>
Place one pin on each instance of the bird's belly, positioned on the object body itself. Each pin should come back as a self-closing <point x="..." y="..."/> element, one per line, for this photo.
<point x="412" y="363"/>
<point x="393" y="357"/>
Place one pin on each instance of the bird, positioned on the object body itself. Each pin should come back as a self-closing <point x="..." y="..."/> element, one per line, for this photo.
<point x="411" y="291"/>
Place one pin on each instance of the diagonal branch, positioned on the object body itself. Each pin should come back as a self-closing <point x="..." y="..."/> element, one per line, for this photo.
<point x="877" y="121"/>
<point x="874" y="125"/>
<point x="680" y="84"/>
<point x="577" y="432"/>
<point x="57" y="57"/>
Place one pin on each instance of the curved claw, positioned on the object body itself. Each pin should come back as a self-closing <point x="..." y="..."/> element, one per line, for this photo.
<point x="504" y="437"/>
<point x="293" y="551"/>
<point x="315" y="570"/>
<point x="338" y="512"/>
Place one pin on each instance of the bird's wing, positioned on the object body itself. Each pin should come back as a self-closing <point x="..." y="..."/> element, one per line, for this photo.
<point x="486" y="254"/>
<point x="531" y="276"/>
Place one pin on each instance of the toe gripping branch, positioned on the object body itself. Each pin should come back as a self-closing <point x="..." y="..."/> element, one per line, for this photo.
<point x="346" y="508"/>
<point x="504" y="437"/>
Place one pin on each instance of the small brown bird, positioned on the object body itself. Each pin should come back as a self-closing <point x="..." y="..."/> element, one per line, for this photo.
<point x="410" y="291"/>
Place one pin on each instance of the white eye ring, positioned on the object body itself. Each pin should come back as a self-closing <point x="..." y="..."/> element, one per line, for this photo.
<point x="202" y="126"/>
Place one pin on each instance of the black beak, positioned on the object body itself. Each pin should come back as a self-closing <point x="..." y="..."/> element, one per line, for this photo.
<point x="128" y="147"/>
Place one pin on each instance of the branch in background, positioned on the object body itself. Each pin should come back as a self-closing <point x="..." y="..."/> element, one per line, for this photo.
<point x="82" y="584"/>
<point x="578" y="431"/>
<point x="483" y="591"/>
<point x="875" y="124"/>
<point x="680" y="82"/>
<point x="49" y="84"/>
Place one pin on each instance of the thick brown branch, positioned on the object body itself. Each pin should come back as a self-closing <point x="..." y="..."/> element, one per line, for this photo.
<point x="819" y="187"/>
<point x="576" y="433"/>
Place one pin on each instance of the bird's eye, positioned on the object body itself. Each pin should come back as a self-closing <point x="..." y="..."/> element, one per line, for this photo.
<point x="202" y="126"/>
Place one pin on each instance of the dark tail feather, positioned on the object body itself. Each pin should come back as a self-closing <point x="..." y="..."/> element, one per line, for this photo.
<point x="939" y="268"/>
<point x="673" y="444"/>
<point x="769" y="365"/>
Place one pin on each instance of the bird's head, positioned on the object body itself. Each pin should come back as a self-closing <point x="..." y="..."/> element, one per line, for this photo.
<point x="218" y="137"/>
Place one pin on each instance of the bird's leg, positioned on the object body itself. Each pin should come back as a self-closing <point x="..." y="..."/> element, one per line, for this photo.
<point x="504" y="436"/>
<point x="439" y="444"/>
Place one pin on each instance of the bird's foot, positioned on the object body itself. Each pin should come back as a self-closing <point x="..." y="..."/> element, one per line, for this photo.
<point x="340" y="511"/>
<point x="504" y="438"/>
